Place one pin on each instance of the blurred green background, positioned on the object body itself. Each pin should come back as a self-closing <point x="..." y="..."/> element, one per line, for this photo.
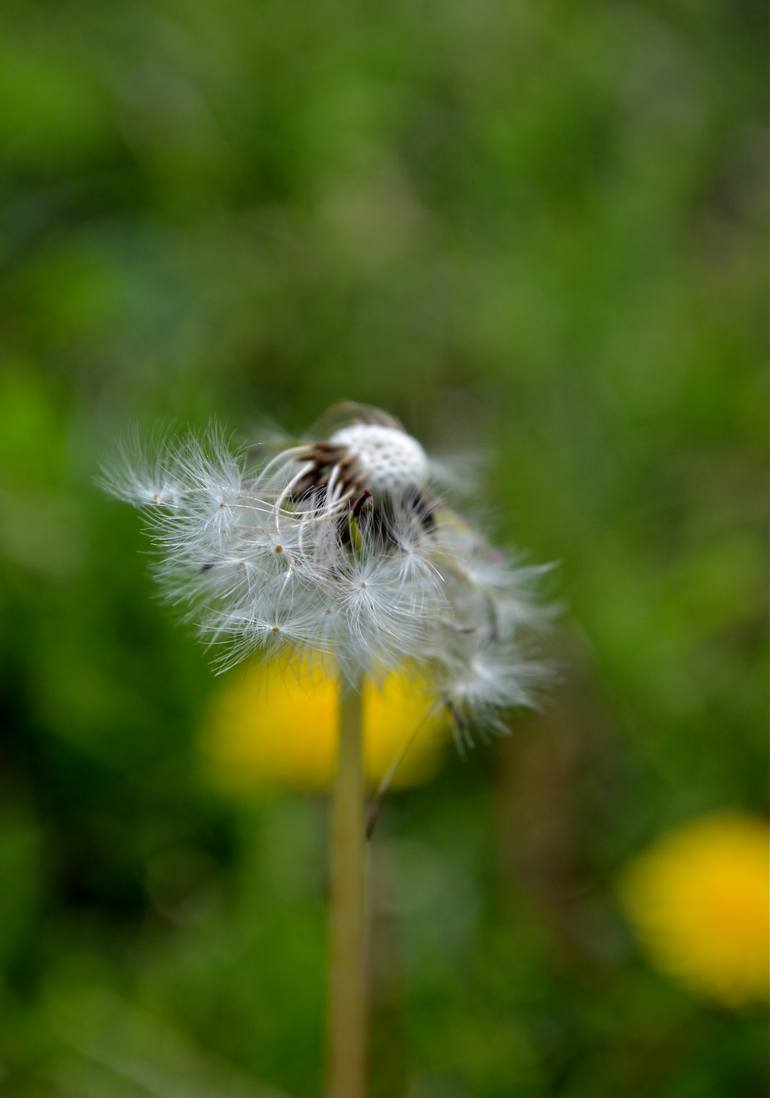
<point x="532" y="227"/>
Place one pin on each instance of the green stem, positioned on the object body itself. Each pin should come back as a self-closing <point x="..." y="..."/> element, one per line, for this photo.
<point x="347" y="946"/>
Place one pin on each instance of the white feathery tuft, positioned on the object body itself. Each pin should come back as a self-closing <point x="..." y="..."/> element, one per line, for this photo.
<point x="337" y="547"/>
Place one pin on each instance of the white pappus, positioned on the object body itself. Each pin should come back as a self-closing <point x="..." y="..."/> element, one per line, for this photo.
<point x="338" y="546"/>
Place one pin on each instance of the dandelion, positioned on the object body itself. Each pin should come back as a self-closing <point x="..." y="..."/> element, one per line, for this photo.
<point x="699" y="900"/>
<point x="340" y="549"/>
<point x="269" y="726"/>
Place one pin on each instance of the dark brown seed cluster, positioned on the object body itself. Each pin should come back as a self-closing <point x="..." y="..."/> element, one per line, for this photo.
<point x="351" y="480"/>
<point x="326" y="456"/>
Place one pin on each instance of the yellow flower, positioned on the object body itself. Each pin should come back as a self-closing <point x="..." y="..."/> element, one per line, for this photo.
<point x="268" y="726"/>
<point x="699" y="900"/>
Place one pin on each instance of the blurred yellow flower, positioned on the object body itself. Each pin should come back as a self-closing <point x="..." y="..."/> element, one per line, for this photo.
<point x="270" y="726"/>
<point x="699" y="900"/>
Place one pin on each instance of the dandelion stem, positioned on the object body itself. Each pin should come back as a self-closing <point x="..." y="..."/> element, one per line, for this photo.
<point x="347" y="947"/>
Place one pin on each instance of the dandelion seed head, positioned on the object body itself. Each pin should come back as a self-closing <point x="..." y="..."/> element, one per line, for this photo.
<point x="338" y="548"/>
